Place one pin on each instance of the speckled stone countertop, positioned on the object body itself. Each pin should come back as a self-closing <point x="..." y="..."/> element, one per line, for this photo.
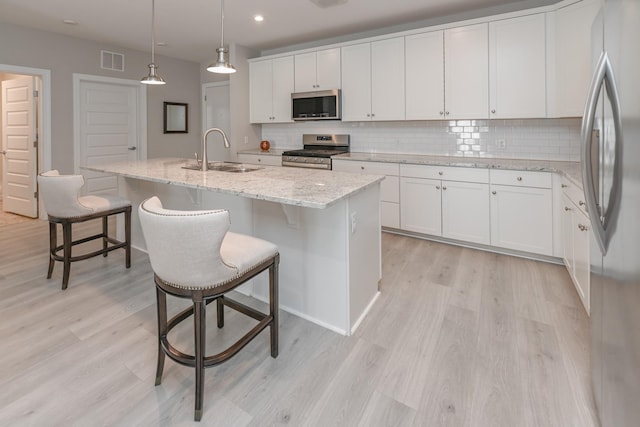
<point x="569" y="169"/>
<point x="291" y="186"/>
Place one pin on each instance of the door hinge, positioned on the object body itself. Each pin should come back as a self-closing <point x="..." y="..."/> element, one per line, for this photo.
<point x="35" y="144"/>
<point x="35" y="194"/>
<point x="35" y="93"/>
<point x="205" y="98"/>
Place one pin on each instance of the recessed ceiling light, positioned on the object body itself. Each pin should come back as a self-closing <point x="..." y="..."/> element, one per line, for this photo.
<point x="70" y="22"/>
<point x="258" y="18"/>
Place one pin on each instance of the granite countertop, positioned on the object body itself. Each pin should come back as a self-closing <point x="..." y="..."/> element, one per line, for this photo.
<point x="571" y="170"/>
<point x="291" y="186"/>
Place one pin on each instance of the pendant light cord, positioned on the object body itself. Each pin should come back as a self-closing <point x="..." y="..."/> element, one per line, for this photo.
<point x="221" y="23"/>
<point x="153" y="30"/>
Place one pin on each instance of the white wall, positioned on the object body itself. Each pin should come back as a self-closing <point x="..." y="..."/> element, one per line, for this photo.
<point x="65" y="55"/>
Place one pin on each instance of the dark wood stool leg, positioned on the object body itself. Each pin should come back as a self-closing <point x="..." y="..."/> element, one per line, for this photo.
<point x="220" y="311"/>
<point x="273" y="305"/>
<point x="199" y="319"/>
<point x="67" y="243"/>
<point x="161" y="299"/>
<point x="127" y="236"/>
<point x="53" y="242"/>
<point x="105" y="234"/>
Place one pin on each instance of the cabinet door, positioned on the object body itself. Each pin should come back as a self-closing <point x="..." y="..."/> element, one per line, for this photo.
<point x="328" y="69"/>
<point x="387" y="79"/>
<point x="390" y="214"/>
<point x="465" y="211"/>
<point x="567" y="233"/>
<point x="305" y="72"/>
<point x="517" y="67"/>
<point x="424" y="73"/>
<point x="466" y="72"/>
<point x="521" y="218"/>
<point x="282" y="89"/>
<point x="581" y="257"/>
<point x="420" y="206"/>
<point x="356" y="82"/>
<point x="574" y="30"/>
<point x="260" y="89"/>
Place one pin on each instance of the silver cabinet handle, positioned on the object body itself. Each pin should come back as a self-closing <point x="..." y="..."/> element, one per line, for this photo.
<point x="567" y="208"/>
<point x="582" y="227"/>
<point x="447" y="113"/>
<point x="444" y="188"/>
<point x="581" y="203"/>
<point x="563" y="185"/>
<point x="602" y="222"/>
<point x="440" y="173"/>
<point x="519" y="178"/>
<point x="132" y="148"/>
<point x="3" y="152"/>
<point x="493" y="111"/>
<point x="441" y="113"/>
<point x="362" y="167"/>
<point x="437" y="187"/>
<point x="494" y="192"/>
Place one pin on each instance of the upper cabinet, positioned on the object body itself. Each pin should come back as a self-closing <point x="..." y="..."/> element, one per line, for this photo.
<point x="317" y="70"/>
<point x="271" y="85"/>
<point x="424" y="74"/>
<point x="573" y="30"/>
<point x="466" y="72"/>
<point x="517" y="67"/>
<point x="373" y="81"/>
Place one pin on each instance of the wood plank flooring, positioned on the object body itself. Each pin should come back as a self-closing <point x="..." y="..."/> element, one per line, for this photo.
<point x="458" y="337"/>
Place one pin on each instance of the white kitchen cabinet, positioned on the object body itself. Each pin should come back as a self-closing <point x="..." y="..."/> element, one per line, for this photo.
<point x="466" y="72"/>
<point x="317" y="70"/>
<point x="389" y="188"/>
<point x="445" y="201"/>
<point x="271" y="85"/>
<point x="522" y="211"/>
<point x="260" y="159"/>
<point x="576" y="240"/>
<point x="424" y="76"/>
<point x="572" y="31"/>
<point x="373" y="81"/>
<point x="517" y="67"/>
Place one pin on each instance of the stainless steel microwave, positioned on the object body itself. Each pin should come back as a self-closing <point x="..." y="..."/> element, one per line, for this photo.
<point x="319" y="105"/>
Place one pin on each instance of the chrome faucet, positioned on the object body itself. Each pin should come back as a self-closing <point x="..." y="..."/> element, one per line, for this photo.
<point x="205" y="164"/>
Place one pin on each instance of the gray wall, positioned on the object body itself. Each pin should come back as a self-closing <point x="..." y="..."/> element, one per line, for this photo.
<point x="63" y="55"/>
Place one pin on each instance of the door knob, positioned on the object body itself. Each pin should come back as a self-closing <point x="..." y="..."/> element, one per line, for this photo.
<point x="133" y="148"/>
<point x="3" y="152"/>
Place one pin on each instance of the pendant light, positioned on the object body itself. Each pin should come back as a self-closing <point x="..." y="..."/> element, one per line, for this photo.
<point x="153" y="78"/>
<point x="222" y="66"/>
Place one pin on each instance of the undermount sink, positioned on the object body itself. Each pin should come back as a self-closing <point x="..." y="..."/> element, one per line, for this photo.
<point x="224" y="167"/>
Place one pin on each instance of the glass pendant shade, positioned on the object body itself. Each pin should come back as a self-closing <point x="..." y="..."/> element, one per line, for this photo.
<point x="153" y="78"/>
<point x="222" y="65"/>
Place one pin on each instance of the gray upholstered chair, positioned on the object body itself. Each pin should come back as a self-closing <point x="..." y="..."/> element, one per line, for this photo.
<point x="193" y="255"/>
<point x="60" y="194"/>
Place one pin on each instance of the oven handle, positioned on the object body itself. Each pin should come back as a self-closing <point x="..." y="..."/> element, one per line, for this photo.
<point x="306" y="165"/>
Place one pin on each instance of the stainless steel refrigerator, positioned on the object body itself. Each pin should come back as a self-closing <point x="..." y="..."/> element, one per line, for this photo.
<point x="611" y="181"/>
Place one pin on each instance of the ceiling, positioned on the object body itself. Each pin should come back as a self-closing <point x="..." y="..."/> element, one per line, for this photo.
<point x="191" y="28"/>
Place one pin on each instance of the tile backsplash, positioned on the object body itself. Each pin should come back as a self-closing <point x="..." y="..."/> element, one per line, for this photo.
<point x="545" y="139"/>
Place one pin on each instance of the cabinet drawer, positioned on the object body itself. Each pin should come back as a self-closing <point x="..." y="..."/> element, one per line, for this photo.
<point x="258" y="159"/>
<point x="448" y="173"/>
<point x="521" y="178"/>
<point x="374" y="168"/>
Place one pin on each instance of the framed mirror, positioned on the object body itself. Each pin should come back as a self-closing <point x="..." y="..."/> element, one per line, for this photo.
<point x="176" y="117"/>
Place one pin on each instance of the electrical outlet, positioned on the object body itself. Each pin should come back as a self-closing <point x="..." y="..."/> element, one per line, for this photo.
<point x="354" y="222"/>
<point x="501" y="143"/>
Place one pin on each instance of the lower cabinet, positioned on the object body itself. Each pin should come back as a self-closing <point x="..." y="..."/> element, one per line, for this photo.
<point x="453" y="208"/>
<point x="522" y="211"/>
<point x="575" y="232"/>
<point x="389" y="188"/>
<point x="260" y="159"/>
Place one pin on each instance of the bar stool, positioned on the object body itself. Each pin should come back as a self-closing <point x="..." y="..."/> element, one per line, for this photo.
<point x="193" y="255"/>
<point x="64" y="206"/>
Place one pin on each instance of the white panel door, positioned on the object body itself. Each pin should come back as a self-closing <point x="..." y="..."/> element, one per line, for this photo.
<point x="387" y="79"/>
<point x="282" y="89"/>
<point x="261" y="91"/>
<point x="424" y="71"/>
<point x="467" y="72"/>
<point x="108" y="131"/>
<point x="305" y="78"/>
<point x="217" y="115"/>
<point x="356" y="82"/>
<point x="19" y="147"/>
<point x="328" y="69"/>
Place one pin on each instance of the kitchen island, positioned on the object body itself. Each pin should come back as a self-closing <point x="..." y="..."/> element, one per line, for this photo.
<point x="326" y="225"/>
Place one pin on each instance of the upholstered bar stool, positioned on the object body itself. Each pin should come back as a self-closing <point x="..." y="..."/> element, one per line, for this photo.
<point x="194" y="256"/>
<point x="64" y="206"/>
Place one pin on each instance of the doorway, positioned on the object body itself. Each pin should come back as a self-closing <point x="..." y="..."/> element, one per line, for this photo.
<point x="26" y="145"/>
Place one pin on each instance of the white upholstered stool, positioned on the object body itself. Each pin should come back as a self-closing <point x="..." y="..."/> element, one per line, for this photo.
<point x="60" y="194"/>
<point x="193" y="255"/>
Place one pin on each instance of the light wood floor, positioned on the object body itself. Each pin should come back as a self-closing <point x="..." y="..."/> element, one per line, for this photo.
<point x="458" y="337"/>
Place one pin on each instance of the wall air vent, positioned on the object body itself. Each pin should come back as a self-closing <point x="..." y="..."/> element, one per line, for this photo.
<point x="111" y="60"/>
<point x="328" y="3"/>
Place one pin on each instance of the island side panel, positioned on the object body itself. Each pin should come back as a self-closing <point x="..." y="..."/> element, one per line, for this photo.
<point x="364" y="251"/>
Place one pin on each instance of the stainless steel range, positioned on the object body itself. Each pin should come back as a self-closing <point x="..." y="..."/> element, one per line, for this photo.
<point x="317" y="151"/>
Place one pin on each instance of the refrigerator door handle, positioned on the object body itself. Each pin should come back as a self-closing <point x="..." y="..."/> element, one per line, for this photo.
<point x="602" y="220"/>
